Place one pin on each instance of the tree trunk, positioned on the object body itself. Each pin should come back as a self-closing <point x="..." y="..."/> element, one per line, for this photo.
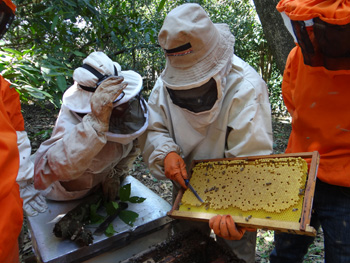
<point x="277" y="35"/>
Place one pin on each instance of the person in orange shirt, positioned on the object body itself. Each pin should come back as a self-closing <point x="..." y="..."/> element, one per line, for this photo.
<point x="16" y="187"/>
<point x="316" y="92"/>
<point x="11" y="216"/>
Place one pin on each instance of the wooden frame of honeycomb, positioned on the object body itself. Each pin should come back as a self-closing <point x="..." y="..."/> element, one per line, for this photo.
<point x="272" y="192"/>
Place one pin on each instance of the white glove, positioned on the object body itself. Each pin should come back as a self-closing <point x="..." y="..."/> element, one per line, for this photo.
<point x="33" y="201"/>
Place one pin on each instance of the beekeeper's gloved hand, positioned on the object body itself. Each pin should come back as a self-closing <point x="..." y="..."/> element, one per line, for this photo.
<point x="102" y="102"/>
<point x="175" y="168"/>
<point x="225" y="227"/>
<point x="33" y="201"/>
<point x="111" y="185"/>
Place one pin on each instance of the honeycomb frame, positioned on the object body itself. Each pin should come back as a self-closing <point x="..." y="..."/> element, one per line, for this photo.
<point x="293" y="218"/>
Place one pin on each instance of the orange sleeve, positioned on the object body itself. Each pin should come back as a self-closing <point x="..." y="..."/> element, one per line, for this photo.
<point x="12" y="104"/>
<point x="11" y="216"/>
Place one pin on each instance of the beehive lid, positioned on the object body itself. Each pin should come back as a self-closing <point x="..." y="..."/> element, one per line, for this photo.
<point x="152" y="217"/>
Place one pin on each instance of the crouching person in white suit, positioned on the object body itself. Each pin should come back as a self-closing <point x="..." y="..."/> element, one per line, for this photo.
<point x="94" y="141"/>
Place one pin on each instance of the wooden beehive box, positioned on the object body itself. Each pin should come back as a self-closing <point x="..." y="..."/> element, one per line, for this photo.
<point x="276" y="206"/>
<point x="189" y="246"/>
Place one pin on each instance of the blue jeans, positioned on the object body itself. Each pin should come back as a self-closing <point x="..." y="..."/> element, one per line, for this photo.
<point x="331" y="210"/>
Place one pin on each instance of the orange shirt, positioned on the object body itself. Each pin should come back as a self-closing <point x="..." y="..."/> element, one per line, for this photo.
<point x="319" y="102"/>
<point x="11" y="215"/>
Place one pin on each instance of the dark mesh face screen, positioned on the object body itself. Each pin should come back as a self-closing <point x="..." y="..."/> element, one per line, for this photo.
<point x="197" y="99"/>
<point x="6" y="18"/>
<point x="323" y="44"/>
<point x="128" y="117"/>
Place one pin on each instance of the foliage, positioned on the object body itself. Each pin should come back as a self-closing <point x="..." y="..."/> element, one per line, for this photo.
<point x="127" y="216"/>
<point x="95" y="217"/>
<point x="264" y="245"/>
<point x="125" y="192"/>
<point x="49" y="39"/>
<point x="275" y="95"/>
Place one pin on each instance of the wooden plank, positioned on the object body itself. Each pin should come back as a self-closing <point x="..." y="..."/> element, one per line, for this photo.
<point x="266" y="224"/>
<point x="303" y="155"/>
<point x="302" y="228"/>
<point x="309" y="191"/>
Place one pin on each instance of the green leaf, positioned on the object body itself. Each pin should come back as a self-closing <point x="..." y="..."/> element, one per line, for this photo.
<point x="110" y="230"/>
<point x="54" y="23"/>
<point x="128" y="217"/>
<point x="11" y="75"/>
<point x="32" y="77"/>
<point x="47" y="10"/>
<point x="10" y="50"/>
<point x="94" y="216"/>
<point x="105" y="23"/>
<point x="61" y="83"/>
<point x="111" y="207"/>
<point x="124" y="192"/>
<point x="136" y="199"/>
<point x="79" y="54"/>
<point x="44" y="135"/>
<point x="31" y="69"/>
<point x="160" y="6"/>
<point x="70" y="3"/>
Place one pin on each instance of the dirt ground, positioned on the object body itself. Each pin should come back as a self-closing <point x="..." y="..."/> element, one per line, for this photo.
<point x="39" y="123"/>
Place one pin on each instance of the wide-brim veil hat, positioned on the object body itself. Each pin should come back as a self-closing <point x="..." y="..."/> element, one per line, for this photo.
<point x="335" y="12"/>
<point x="195" y="48"/>
<point x="78" y="99"/>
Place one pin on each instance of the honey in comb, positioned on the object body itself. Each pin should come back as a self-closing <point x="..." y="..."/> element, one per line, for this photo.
<point x="271" y="184"/>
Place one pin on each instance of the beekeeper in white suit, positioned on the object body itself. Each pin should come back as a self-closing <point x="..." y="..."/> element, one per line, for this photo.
<point x="207" y="103"/>
<point x="95" y="137"/>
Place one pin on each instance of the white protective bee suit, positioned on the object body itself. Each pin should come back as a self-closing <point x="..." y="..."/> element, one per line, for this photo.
<point x="78" y="156"/>
<point x="238" y="122"/>
<point x="238" y="125"/>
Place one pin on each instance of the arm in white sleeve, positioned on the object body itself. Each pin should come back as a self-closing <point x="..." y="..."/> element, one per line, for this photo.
<point x="157" y="142"/>
<point x="33" y="202"/>
<point x="249" y="125"/>
<point x="26" y="167"/>
<point x="69" y="152"/>
<point x="250" y="133"/>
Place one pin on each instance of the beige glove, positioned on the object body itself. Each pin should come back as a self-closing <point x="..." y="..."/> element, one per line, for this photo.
<point x="112" y="182"/>
<point x="102" y="102"/>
